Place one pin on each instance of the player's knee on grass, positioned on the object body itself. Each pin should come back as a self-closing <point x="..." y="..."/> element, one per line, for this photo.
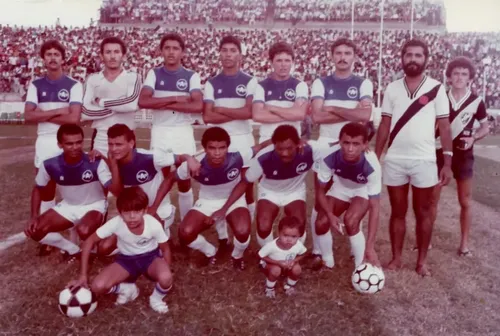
<point x="184" y="186"/>
<point x="273" y="272"/>
<point x="322" y="224"/>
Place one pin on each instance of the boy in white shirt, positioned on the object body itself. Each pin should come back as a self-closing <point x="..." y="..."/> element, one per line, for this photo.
<point x="282" y="256"/>
<point x="140" y="239"/>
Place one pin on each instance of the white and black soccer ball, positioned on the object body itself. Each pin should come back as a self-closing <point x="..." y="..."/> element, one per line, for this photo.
<point x="77" y="302"/>
<point x="368" y="279"/>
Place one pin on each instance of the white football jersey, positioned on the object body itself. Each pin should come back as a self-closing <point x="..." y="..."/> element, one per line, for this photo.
<point x="274" y="252"/>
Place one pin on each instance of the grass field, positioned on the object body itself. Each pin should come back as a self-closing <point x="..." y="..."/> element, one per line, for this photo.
<point x="461" y="298"/>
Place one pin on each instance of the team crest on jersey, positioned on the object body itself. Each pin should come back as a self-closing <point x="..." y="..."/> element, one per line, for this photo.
<point x="361" y="178"/>
<point x="63" y="95"/>
<point x="142" y="176"/>
<point x="87" y="176"/>
<point x="423" y="100"/>
<point x="233" y="173"/>
<point x="352" y="92"/>
<point x="331" y="91"/>
<point x="290" y="94"/>
<point x="182" y="84"/>
<point x="241" y="90"/>
<point x="466" y="118"/>
<point x="301" y="168"/>
<point x="143" y="241"/>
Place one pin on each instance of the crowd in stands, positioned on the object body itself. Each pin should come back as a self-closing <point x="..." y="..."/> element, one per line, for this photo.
<point x="252" y="11"/>
<point x="19" y="59"/>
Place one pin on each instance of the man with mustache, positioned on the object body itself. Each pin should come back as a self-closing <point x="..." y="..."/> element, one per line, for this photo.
<point x="465" y="109"/>
<point x="174" y="94"/>
<point x="338" y="99"/>
<point x="52" y="100"/>
<point x="413" y="106"/>
<point x="111" y="96"/>
<point x="228" y="103"/>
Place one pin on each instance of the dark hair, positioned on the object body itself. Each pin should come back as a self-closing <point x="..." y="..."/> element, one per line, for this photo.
<point x="215" y="134"/>
<point x="121" y="130"/>
<point x="344" y="41"/>
<point x="113" y="40"/>
<point x="290" y="222"/>
<point x="132" y="199"/>
<point x="68" y="129"/>
<point x="285" y="132"/>
<point x="52" y="44"/>
<point x="461" y="62"/>
<point x="415" y="43"/>
<point x="230" y="39"/>
<point x="354" y="129"/>
<point x="173" y="37"/>
<point x="280" y="47"/>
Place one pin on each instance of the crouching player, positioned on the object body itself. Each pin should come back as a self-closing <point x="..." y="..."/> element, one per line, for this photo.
<point x="80" y="182"/>
<point x="140" y="238"/>
<point x="282" y="256"/>
<point x="355" y="191"/>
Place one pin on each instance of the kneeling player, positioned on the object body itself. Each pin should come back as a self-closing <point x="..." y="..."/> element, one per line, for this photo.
<point x="140" y="239"/>
<point x="356" y="189"/>
<point x="282" y="256"/>
<point x="220" y="172"/>
<point x="80" y="183"/>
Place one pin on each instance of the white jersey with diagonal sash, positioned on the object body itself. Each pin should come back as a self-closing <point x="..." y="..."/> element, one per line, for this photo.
<point x="413" y="118"/>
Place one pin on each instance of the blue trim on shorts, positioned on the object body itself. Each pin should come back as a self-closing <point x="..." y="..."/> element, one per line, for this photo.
<point x="137" y="265"/>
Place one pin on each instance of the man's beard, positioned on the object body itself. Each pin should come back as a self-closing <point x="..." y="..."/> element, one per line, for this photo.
<point x="413" y="69"/>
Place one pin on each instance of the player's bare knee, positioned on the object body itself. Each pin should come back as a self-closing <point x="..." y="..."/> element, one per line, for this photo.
<point x="187" y="233"/>
<point x="165" y="279"/>
<point x="264" y="225"/>
<point x="464" y="201"/>
<point x="274" y="272"/>
<point x="296" y="271"/>
<point x="241" y="232"/>
<point x="322" y="225"/>
<point x="398" y="212"/>
<point x="100" y="286"/>
<point x="352" y="222"/>
<point x="83" y="231"/>
<point x="184" y="186"/>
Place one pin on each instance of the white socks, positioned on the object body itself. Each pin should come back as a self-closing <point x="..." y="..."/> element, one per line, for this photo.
<point x="358" y="247"/>
<point x="44" y="206"/>
<point x="239" y="248"/>
<point x="185" y="202"/>
<point x="221" y="228"/>
<point x="264" y="241"/>
<point x="270" y="284"/>
<point x="57" y="240"/>
<point x="325" y="243"/>
<point x="314" y="216"/>
<point x="251" y="208"/>
<point x="202" y="245"/>
<point x="159" y="293"/>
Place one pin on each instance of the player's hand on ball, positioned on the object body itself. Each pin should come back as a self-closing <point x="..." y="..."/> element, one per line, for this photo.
<point x="371" y="257"/>
<point x="82" y="281"/>
<point x="94" y="154"/>
<point x="445" y="176"/>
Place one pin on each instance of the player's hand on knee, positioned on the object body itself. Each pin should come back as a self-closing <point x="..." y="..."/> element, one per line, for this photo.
<point x="82" y="281"/>
<point x="371" y="257"/>
<point x="218" y="215"/>
<point x="335" y="224"/>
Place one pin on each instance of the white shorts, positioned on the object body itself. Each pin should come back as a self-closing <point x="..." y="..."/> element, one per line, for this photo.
<point x="178" y="139"/>
<point x="208" y="207"/>
<point x="345" y="194"/>
<point x="100" y="142"/>
<point x="241" y="142"/>
<point x="45" y="148"/>
<point x="282" y="199"/>
<point x="420" y="173"/>
<point x="75" y="213"/>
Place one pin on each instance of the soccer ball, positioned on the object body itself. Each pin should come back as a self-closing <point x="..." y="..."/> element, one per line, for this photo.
<point x="77" y="302"/>
<point x="368" y="279"/>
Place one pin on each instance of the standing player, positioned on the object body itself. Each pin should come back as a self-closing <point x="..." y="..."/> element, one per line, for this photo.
<point x="355" y="191"/>
<point x="174" y="93"/>
<point x="137" y="167"/>
<point x="111" y="96"/>
<point x="220" y="172"/>
<point x="280" y="99"/>
<point x="411" y="109"/>
<point x="283" y="168"/>
<point x="140" y="240"/>
<point x="80" y="183"/>
<point x="228" y="103"/>
<point x="52" y="100"/>
<point x="465" y="109"/>
<point x="336" y="100"/>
